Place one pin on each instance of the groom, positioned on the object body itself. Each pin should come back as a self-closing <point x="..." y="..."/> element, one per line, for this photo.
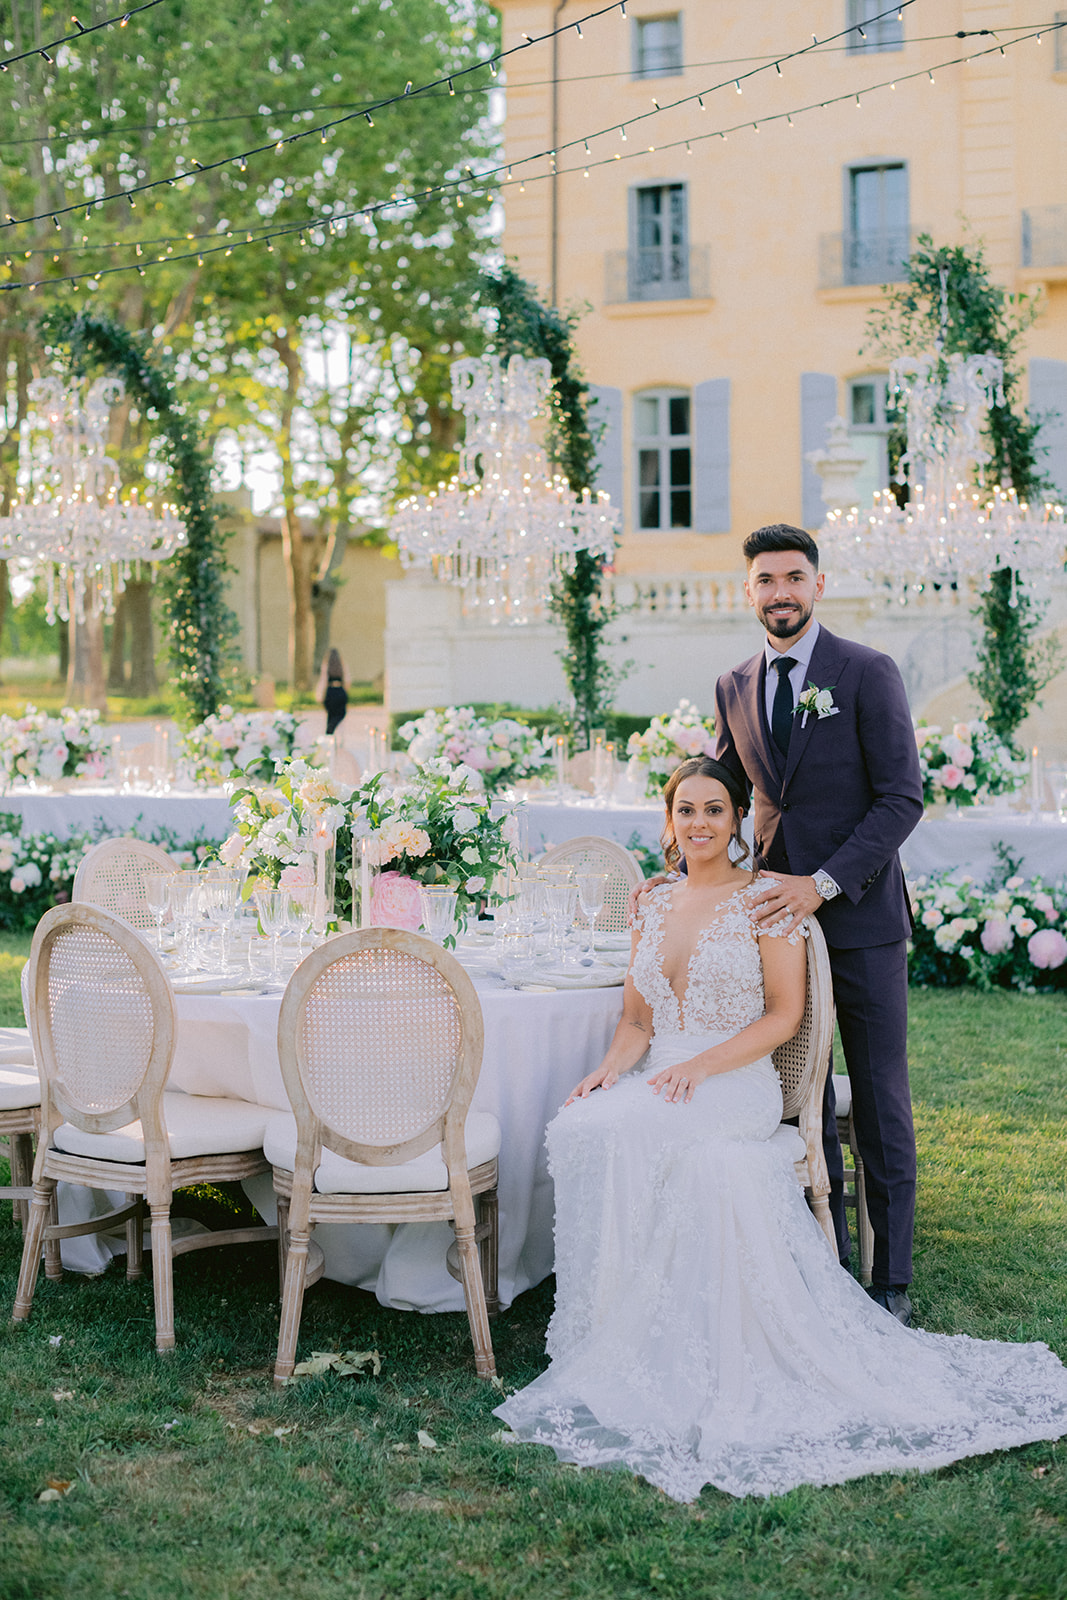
<point x="820" y="728"/>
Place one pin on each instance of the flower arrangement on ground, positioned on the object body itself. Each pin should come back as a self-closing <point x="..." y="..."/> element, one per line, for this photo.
<point x="966" y="767"/>
<point x="242" y="744"/>
<point x="431" y="827"/>
<point x="38" y="748"/>
<point x="667" y="741"/>
<point x="1008" y="933"/>
<point x="497" y="753"/>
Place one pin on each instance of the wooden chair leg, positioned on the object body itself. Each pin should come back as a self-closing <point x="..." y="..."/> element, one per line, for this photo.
<point x="135" y="1243"/>
<point x="292" y="1304"/>
<point x="20" y="1160"/>
<point x="490" y="1249"/>
<point x="283" y="1241"/>
<point x="470" y="1270"/>
<point x="40" y="1211"/>
<point x="163" y="1277"/>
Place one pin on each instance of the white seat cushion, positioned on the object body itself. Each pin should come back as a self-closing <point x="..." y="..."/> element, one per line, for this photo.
<point x="787" y="1139"/>
<point x="197" y="1125"/>
<point x="427" y="1174"/>
<point x="843" y="1093"/>
<point x="19" y="1086"/>
<point x="15" y="1046"/>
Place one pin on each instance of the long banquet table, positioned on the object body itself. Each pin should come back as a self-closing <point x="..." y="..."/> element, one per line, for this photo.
<point x="189" y="814"/>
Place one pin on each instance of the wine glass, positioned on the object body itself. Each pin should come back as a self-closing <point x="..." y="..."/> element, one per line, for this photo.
<point x="184" y="891"/>
<point x="560" y="896"/>
<point x="438" y="911"/>
<point x="301" y="914"/>
<point x="273" y="908"/>
<point x="219" y="894"/>
<point x="157" y="899"/>
<point x="592" y="887"/>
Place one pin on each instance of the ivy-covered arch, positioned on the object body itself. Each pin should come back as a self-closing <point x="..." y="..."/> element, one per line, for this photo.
<point x="203" y="627"/>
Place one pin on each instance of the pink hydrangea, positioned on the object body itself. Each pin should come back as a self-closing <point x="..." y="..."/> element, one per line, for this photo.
<point x="996" y="936"/>
<point x="951" y="776"/>
<point x="395" y="902"/>
<point x="1047" y="948"/>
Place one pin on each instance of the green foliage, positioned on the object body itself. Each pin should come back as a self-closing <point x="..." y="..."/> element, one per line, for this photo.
<point x="983" y="317"/>
<point x="528" y="327"/>
<point x="202" y="626"/>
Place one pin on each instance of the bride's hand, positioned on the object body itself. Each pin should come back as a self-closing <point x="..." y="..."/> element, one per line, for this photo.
<point x="602" y="1078"/>
<point x="678" y="1083"/>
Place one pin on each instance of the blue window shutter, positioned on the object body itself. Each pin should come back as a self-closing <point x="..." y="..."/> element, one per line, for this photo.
<point x="818" y="406"/>
<point x="607" y="414"/>
<point x="1048" y="395"/>
<point x="711" y="456"/>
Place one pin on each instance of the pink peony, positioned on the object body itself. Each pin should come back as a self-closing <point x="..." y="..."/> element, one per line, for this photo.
<point x="395" y="902"/>
<point x="996" y="936"/>
<point x="296" y="877"/>
<point x="1047" y="948"/>
<point x="230" y="849"/>
<point x="1045" y="904"/>
<point x="950" y="777"/>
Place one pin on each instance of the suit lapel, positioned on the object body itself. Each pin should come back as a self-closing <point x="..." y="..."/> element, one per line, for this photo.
<point x="751" y="696"/>
<point x="824" y="672"/>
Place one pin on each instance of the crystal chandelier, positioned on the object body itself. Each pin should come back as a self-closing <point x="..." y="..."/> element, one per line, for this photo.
<point x="68" y="517"/>
<point x="502" y="528"/>
<point x="950" y="534"/>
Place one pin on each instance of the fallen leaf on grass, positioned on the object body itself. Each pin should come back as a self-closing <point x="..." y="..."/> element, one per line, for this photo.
<point x="62" y="1394"/>
<point x="55" y="1340"/>
<point x="55" y="1489"/>
<point x="504" y="1436"/>
<point x="345" y="1364"/>
<point x="1039" y="1472"/>
<point x="401" y="1449"/>
<point x="427" y="1440"/>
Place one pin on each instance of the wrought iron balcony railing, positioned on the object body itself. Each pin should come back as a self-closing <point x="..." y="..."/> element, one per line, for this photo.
<point x="1044" y="236"/>
<point x="669" y="274"/>
<point x="879" y="257"/>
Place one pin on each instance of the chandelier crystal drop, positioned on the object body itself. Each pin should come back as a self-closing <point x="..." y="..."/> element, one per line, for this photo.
<point x="68" y="516"/>
<point x="949" y="535"/>
<point x="503" y="528"/>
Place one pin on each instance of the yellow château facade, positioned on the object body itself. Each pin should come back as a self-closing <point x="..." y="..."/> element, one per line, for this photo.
<point x="730" y="252"/>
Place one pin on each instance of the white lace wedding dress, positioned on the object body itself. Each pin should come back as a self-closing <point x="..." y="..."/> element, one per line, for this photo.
<point x="704" y="1333"/>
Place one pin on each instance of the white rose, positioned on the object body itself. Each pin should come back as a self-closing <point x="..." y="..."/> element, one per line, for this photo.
<point x="475" y="885"/>
<point x="471" y="856"/>
<point x="932" y="918"/>
<point x="464" y="820"/>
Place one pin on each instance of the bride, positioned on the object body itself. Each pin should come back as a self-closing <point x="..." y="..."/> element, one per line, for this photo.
<point x="704" y="1333"/>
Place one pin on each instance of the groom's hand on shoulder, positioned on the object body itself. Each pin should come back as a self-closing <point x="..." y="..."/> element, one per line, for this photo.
<point x="788" y="895"/>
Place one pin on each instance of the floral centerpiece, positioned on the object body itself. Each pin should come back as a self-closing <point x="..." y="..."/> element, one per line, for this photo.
<point x="1008" y="934"/>
<point x="250" y="744"/>
<point x="497" y="753"/>
<point x="38" y="748"/>
<point x="966" y="767"/>
<point x="668" y="740"/>
<point x="435" y="826"/>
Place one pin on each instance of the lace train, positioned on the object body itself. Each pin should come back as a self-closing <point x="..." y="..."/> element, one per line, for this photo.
<point x="705" y="1334"/>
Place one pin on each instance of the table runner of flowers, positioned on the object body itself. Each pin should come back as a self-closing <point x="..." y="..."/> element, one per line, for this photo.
<point x="37" y="747"/>
<point x="966" y="767"/>
<point x="243" y="744"/>
<point x="498" y="753"/>
<point x="668" y="740"/>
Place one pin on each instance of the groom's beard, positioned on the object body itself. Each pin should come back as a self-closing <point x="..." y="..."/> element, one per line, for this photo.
<point x="787" y="626"/>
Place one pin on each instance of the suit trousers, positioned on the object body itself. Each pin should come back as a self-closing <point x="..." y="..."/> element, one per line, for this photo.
<point x="871" y="997"/>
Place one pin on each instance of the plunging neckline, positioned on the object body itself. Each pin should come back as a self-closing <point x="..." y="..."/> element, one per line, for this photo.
<point x="721" y="910"/>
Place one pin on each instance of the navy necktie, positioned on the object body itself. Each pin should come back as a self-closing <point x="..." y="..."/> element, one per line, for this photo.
<point x="782" y="709"/>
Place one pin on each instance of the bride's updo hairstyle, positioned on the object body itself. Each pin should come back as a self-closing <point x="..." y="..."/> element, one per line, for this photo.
<point x="703" y="767"/>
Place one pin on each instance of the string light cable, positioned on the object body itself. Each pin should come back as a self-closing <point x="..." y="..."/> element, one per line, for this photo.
<point x="492" y="181"/>
<point x="81" y="32"/>
<point x="410" y="93"/>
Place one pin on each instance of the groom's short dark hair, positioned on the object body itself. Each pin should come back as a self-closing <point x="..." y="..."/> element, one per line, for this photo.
<point x="780" y="536"/>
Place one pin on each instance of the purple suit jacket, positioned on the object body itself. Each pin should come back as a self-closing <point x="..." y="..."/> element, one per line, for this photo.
<point x="847" y="795"/>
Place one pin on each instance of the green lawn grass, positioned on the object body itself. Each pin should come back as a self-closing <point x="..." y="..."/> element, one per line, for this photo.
<point x="193" y="1480"/>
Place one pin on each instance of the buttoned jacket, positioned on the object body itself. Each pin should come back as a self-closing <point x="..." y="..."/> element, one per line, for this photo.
<point x="848" y="793"/>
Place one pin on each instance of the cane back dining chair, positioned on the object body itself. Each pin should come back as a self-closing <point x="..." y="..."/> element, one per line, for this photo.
<point x="802" y="1064"/>
<point x="112" y="876"/>
<point x="20" y="1115"/>
<point x="589" y="853"/>
<point x="380" y="1044"/>
<point x="103" y="1023"/>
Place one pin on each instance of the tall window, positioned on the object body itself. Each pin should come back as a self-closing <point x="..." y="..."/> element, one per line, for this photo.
<point x="659" y="254"/>
<point x="885" y="33"/>
<point x="664" y="459"/>
<point x="657" y="46"/>
<point x="877" y="239"/>
<point x="871" y="421"/>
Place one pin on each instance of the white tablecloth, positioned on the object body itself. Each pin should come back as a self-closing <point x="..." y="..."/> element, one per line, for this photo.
<point x="189" y="814"/>
<point x="965" y="842"/>
<point x="554" y="822"/>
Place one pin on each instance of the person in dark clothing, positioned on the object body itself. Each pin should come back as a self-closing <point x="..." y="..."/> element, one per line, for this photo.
<point x="333" y="690"/>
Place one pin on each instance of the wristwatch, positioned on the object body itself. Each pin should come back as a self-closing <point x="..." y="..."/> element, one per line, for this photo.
<point x="825" y="885"/>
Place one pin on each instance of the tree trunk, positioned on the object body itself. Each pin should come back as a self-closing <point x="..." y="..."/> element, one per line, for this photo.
<point x="116" y="667"/>
<point x="297" y="556"/>
<point x="85" y="669"/>
<point x="4" y="597"/>
<point x="143" y="680"/>
<point x="63" y="649"/>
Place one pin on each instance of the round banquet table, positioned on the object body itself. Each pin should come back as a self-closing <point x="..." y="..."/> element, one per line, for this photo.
<point x="537" y="1047"/>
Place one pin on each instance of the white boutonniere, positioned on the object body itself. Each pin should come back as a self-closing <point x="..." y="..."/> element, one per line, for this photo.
<point x="821" y="701"/>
